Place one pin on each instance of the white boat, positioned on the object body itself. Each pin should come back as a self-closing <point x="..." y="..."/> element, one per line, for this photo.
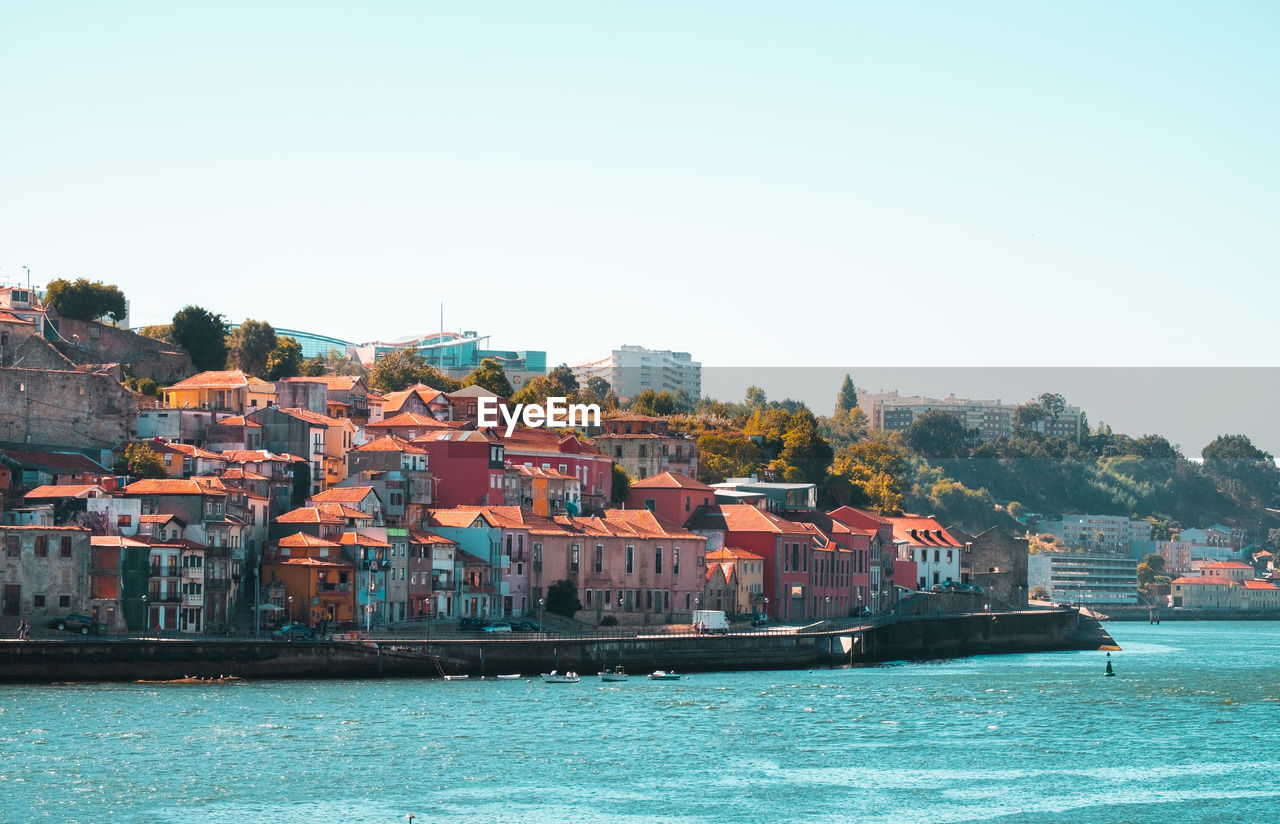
<point x="615" y="674"/>
<point x="515" y="677"/>
<point x="456" y="677"/>
<point x="663" y="675"/>
<point x="554" y="677"/>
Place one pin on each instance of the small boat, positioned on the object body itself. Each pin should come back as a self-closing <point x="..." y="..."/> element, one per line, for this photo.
<point x="663" y="675"/>
<point x="554" y="677"/>
<point x="615" y="674"/>
<point x="193" y="679"/>
<point x="456" y="677"/>
<point x="515" y="677"/>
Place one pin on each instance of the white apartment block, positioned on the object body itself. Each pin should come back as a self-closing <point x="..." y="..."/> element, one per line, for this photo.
<point x="895" y="413"/>
<point x="633" y="369"/>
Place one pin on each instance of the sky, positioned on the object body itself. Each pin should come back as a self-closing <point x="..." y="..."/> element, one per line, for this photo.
<point x="843" y="184"/>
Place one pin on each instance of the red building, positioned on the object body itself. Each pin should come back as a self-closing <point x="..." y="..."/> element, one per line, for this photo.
<point x="671" y="496"/>
<point x="467" y="466"/>
<point x="551" y="449"/>
<point x="787" y="548"/>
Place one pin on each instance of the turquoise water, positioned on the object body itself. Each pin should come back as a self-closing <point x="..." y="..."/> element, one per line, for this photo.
<point x="1187" y="731"/>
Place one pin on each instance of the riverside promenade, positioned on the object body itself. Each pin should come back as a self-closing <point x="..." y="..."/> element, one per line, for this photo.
<point x="392" y="655"/>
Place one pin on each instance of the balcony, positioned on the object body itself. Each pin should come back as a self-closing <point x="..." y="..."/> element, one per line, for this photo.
<point x="441" y="586"/>
<point x="217" y="583"/>
<point x="167" y="598"/>
<point x="333" y="588"/>
<point x="164" y="572"/>
<point x="376" y="566"/>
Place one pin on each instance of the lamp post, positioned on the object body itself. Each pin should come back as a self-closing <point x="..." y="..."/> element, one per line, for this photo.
<point x="540" y="603"/>
<point x="766" y="607"/>
<point x="291" y="609"/>
<point x="826" y="609"/>
<point x="146" y="616"/>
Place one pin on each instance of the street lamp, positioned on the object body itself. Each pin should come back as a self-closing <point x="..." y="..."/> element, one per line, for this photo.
<point x="146" y="616"/>
<point x="291" y="609"/>
<point x="540" y="603"/>
<point x="826" y="610"/>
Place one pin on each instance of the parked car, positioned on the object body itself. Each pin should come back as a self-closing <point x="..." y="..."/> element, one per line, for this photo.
<point x="292" y="631"/>
<point x="524" y="626"/>
<point x="82" y="624"/>
<point x="471" y="624"/>
<point x="497" y="626"/>
<point x="760" y="620"/>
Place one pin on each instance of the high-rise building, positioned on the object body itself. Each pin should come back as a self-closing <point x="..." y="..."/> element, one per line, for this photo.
<point x="633" y="369"/>
<point x="992" y="419"/>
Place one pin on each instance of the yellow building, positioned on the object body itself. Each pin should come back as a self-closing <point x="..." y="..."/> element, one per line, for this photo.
<point x="226" y="391"/>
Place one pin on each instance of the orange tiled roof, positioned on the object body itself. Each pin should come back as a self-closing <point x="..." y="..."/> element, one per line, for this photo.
<point x="302" y="539"/>
<point x="343" y="495"/>
<point x="197" y="452"/>
<point x="928" y="532"/>
<point x="230" y="379"/>
<point x="415" y="419"/>
<point x="169" y="486"/>
<point x="252" y="456"/>
<point x="360" y="539"/>
<point x="417" y="536"/>
<point x="394" y="400"/>
<point x="1227" y="565"/>
<point x="672" y="480"/>
<point x="308" y="515"/>
<point x="239" y="420"/>
<point x="9" y="317"/>
<point x="1254" y="583"/>
<point x="314" y="418"/>
<point x="307" y="560"/>
<point x="741" y="518"/>
<point x="390" y="443"/>
<point x="1206" y="580"/>
<point x="730" y="554"/>
<point x="62" y="491"/>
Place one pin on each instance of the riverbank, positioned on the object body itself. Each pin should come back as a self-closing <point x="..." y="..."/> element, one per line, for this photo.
<point x="913" y="637"/>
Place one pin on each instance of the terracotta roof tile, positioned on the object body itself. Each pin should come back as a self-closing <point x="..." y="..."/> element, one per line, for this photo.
<point x="230" y="379"/>
<point x="302" y="539"/>
<point x="63" y="491"/>
<point x="672" y="480"/>
<point x="169" y="486"/>
<point x="343" y="495"/>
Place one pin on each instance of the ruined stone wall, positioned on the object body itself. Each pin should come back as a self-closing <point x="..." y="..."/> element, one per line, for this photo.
<point x="46" y="409"/>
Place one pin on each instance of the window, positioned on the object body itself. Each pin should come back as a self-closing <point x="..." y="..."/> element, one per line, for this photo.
<point x="598" y="566"/>
<point x="657" y="560"/>
<point x="537" y="556"/>
<point x="42" y="546"/>
<point x="650" y="504"/>
<point x="37" y="601"/>
<point x="11" y="546"/>
<point x="509" y="542"/>
<point x="587" y="601"/>
<point x="604" y="600"/>
<point x="631" y="559"/>
<point x="520" y="547"/>
<point x="648" y="600"/>
<point x="786" y="557"/>
<point x="686" y="503"/>
<point x="675" y="560"/>
<point x="573" y="557"/>
<point x="644" y="452"/>
<point x="64" y="602"/>
<point x="124" y="520"/>
<point x="617" y="451"/>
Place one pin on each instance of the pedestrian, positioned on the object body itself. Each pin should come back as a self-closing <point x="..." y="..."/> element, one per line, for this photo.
<point x="24" y="630"/>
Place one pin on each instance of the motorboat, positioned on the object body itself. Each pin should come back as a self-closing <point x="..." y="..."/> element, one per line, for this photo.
<point x="663" y="675"/>
<point x="510" y="677"/>
<point x="457" y="677"/>
<point x="615" y="674"/>
<point x="555" y="677"/>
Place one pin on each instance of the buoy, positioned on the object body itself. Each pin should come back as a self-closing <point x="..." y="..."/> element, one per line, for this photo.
<point x="1110" y="673"/>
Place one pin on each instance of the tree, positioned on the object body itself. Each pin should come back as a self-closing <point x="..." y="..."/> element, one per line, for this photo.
<point x="600" y="386"/>
<point x="562" y="598"/>
<point x="1039" y="593"/>
<point x="249" y="345"/>
<point x="937" y="435"/>
<point x="140" y="461"/>
<point x="848" y="397"/>
<point x="312" y="367"/>
<point x="83" y="300"/>
<point x="621" y="485"/>
<point x="756" y="397"/>
<point x="396" y="371"/>
<point x="564" y="376"/>
<point x="804" y="449"/>
<point x="285" y="360"/>
<point x="203" y="335"/>
<point x="490" y="375"/>
<point x="1014" y="509"/>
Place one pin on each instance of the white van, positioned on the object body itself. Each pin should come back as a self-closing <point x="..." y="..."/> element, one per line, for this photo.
<point x="711" y="620"/>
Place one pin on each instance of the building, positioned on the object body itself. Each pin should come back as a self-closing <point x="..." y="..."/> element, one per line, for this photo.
<point x="735" y="582"/>
<point x="778" y="497"/>
<point x="230" y="391"/>
<point x="935" y="551"/>
<point x="996" y="561"/>
<point x="671" y="495"/>
<point x="458" y="354"/>
<point x="1084" y="578"/>
<point x="1106" y="533"/>
<point x="631" y="370"/>
<point x="44" y="574"/>
<point x="892" y="412"/>
<point x="643" y="447"/>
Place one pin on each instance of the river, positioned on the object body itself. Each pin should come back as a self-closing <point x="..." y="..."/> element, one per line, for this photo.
<point x="1186" y="732"/>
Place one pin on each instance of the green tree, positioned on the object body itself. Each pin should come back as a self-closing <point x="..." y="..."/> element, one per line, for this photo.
<point x="756" y="398"/>
<point x="600" y="386"/>
<point x="804" y="448"/>
<point x="203" y="335"/>
<point x="249" y="345"/>
<point x="564" y="377"/>
<point x="490" y="375"/>
<point x="621" y="485"/>
<point x="1039" y="593"/>
<point x="159" y="331"/>
<point x="140" y="461"/>
<point x="397" y="370"/>
<point x="562" y="598"/>
<point x="1014" y="509"/>
<point x="84" y="300"/>
<point x="848" y="397"/>
<point x="312" y="367"/>
<point x="937" y="435"/>
<point x="285" y="360"/>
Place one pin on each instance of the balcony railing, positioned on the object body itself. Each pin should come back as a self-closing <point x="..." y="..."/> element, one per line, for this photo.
<point x="167" y="598"/>
<point x="217" y="583"/>
<point x="333" y="588"/>
<point x="164" y="572"/>
<point x="441" y="586"/>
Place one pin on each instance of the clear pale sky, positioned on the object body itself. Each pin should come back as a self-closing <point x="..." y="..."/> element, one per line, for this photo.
<point x="816" y="184"/>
